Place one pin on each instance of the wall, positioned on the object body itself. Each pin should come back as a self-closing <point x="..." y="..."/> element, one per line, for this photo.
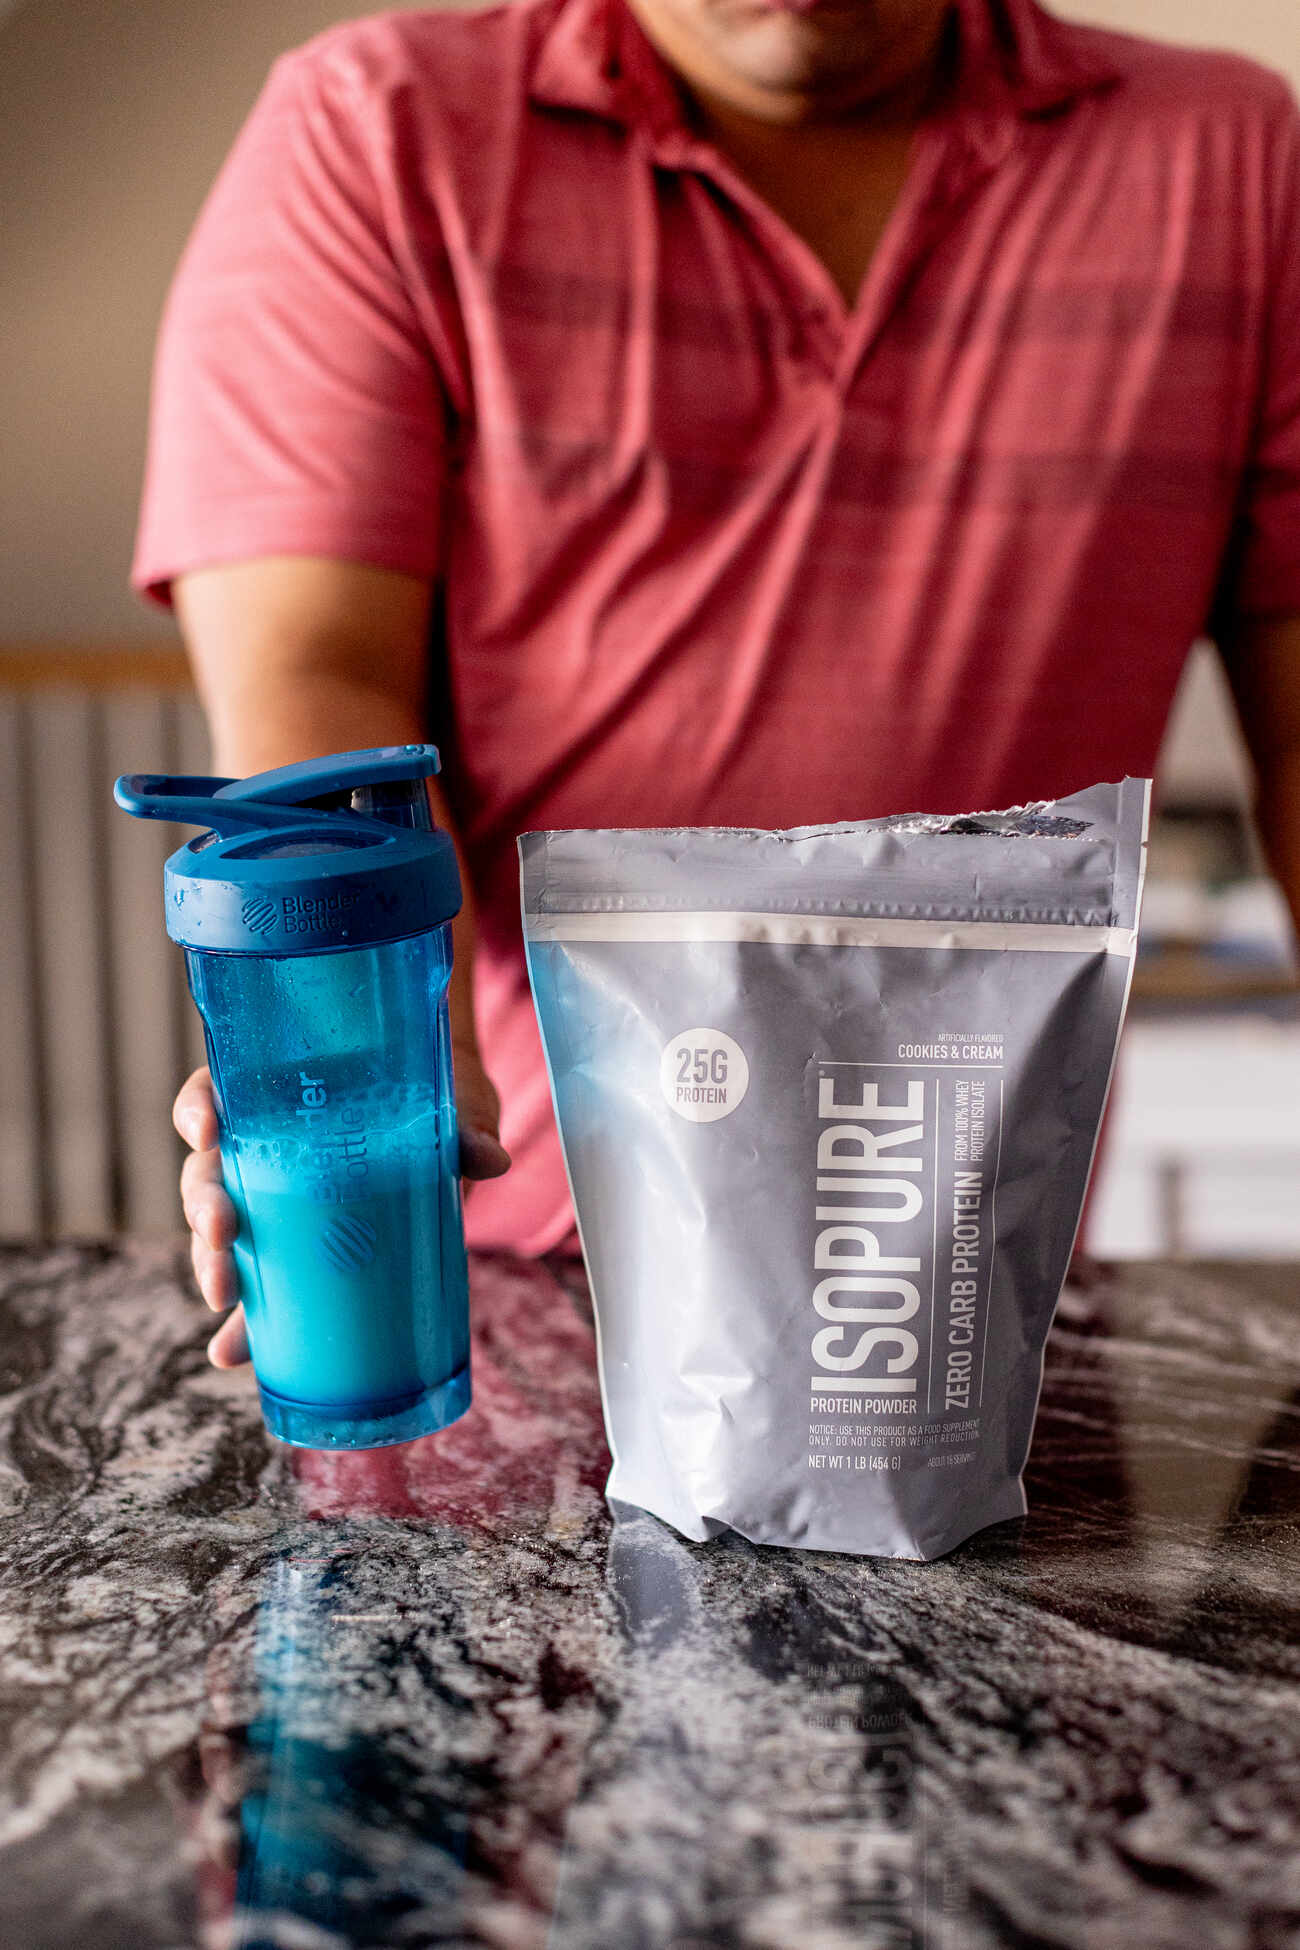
<point x="114" y="116"/>
<point x="1267" y="29"/>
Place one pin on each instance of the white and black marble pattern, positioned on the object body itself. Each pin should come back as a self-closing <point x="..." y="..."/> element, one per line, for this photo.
<point x="434" y="1696"/>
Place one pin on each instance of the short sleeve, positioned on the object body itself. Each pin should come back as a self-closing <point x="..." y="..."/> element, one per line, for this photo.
<point x="1265" y="574"/>
<point x="297" y="403"/>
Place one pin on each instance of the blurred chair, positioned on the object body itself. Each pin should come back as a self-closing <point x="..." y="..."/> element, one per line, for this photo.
<point x="96" y="1027"/>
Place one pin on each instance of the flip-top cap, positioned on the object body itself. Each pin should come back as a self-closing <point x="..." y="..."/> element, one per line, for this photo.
<point x="340" y="852"/>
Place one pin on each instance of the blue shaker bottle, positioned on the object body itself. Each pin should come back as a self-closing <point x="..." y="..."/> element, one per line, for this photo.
<point x="315" y="912"/>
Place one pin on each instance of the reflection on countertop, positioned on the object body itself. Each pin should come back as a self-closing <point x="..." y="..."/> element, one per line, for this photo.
<point x="271" y="1700"/>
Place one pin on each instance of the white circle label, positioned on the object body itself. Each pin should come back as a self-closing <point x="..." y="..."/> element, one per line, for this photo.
<point x="703" y="1075"/>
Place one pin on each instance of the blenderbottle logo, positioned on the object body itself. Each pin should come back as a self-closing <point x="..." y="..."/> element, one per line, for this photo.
<point x="348" y="1242"/>
<point x="259" y="914"/>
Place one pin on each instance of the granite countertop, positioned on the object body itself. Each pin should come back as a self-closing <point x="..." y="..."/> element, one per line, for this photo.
<point x="435" y="1696"/>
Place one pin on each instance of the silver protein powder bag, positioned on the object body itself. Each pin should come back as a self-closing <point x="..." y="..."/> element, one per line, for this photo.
<point x="828" y="1100"/>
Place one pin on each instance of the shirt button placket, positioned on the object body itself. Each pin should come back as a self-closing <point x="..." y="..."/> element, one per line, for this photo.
<point x="823" y="338"/>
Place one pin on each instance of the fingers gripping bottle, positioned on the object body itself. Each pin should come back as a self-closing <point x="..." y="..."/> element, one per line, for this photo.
<point x="315" y="913"/>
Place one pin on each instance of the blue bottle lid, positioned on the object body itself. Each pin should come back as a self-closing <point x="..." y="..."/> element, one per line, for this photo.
<point x="338" y="853"/>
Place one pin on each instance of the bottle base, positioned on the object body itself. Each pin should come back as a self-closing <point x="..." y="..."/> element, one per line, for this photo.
<point x="371" y="1425"/>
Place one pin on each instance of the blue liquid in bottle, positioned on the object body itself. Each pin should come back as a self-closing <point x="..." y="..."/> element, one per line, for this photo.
<point x="340" y="1151"/>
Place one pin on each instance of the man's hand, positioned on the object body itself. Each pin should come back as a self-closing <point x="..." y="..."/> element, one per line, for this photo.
<point x="210" y="1211"/>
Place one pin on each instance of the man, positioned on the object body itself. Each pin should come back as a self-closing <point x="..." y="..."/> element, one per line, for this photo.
<point x="768" y="410"/>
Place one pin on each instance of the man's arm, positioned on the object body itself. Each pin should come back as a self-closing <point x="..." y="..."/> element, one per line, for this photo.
<point x="295" y="657"/>
<point x="1263" y="662"/>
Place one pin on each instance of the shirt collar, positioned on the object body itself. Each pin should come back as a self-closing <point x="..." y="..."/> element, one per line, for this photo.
<point x="1014" y="58"/>
<point x="594" y="57"/>
<point x="1016" y="55"/>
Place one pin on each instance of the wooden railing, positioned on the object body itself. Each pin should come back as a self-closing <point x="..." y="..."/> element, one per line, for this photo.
<point x="110" y="666"/>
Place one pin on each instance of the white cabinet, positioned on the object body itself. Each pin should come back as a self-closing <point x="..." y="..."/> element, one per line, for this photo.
<point x="1201" y="1153"/>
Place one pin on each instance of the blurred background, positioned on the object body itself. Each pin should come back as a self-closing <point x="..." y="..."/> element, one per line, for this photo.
<point x="114" y="117"/>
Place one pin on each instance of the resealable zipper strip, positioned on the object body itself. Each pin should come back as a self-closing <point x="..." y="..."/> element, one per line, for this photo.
<point x="807" y="930"/>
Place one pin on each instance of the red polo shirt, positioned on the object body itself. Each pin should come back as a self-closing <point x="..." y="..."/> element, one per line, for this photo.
<point x="472" y="300"/>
